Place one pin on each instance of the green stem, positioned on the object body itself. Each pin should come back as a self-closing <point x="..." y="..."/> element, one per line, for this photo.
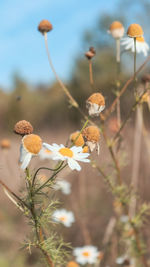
<point x="51" y="178"/>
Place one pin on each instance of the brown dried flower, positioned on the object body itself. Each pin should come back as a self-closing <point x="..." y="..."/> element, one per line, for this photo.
<point x="72" y="264"/>
<point x="91" y="135"/>
<point x="91" y="53"/>
<point x="45" y="26"/>
<point x="23" y="127"/>
<point x="95" y="104"/>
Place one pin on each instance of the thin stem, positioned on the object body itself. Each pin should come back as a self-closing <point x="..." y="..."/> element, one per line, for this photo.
<point x="117" y="82"/>
<point x="110" y="110"/>
<point x="72" y="100"/>
<point x="12" y="193"/>
<point x="44" y="168"/>
<point x="118" y="52"/>
<point x="51" y="178"/>
<point x="129" y="115"/>
<point x="91" y="73"/>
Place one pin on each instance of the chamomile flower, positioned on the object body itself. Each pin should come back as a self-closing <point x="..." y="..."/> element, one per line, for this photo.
<point x="63" y="216"/>
<point x="86" y="254"/>
<point x="31" y="146"/>
<point x="64" y="186"/>
<point x="71" y="155"/>
<point x="116" y="29"/>
<point x="141" y="45"/>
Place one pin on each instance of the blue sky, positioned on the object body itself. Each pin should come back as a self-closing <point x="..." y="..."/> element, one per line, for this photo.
<point x="22" y="46"/>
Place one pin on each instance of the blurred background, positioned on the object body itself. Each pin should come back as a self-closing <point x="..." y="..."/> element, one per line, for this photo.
<point x="29" y="91"/>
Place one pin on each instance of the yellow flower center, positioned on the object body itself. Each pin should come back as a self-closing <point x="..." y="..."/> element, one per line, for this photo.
<point x="63" y="219"/>
<point x="65" y="151"/>
<point x="140" y="39"/>
<point x="32" y="143"/>
<point x="86" y="254"/>
<point x="97" y="98"/>
<point x="115" y="25"/>
<point x="135" y="30"/>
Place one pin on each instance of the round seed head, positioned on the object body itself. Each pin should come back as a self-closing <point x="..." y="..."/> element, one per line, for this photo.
<point x="91" y="133"/>
<point x="72" y="264"/>
<point x="32" y="143"/>
<point x="140" y="39"/>
<point x="115" y="26"/>
<point x="45" y="26"/>
<point x="23" y="127"/>
<point x="97" y="98"/>
<point x="79" y="141"/>
<point x="135" y="30"/>
<point x="5" y="143"/>
<point x="89" y="55"/>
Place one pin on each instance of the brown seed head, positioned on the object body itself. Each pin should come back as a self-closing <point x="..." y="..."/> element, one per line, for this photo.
<point x="5" y="143"/>
<point x="97" y="98"/>
<point x="91" y="133"/>
<point x="23" y="127"/>
<point x="45" y="26"/>
<point x="116" y="25"/>
<point x="135" y="30"/>
<point x="79" y="141"/>
<point x="89" y="55"/>
<point x="72" y="264"/>
<point x="32" y="143"/>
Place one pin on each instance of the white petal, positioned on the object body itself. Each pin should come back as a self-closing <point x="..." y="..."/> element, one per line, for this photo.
<point x="26" y="161"/>
<point x="73" y="164"/>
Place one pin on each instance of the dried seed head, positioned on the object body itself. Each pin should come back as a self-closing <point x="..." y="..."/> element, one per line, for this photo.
<point x="92" y="134"/>
<point x="32" y="143"/>
<point x="135" y="30"/>
<point x="5" y="143"/>
<point x="95" y="104"/>
<point x="97" y="98"/>
<point x="89" y="55"/>
<point x="72" y="264"/>
<point x="45" y="26"/>
<point x="23" y="127"/>
<point x="116" y="29"/>
<point x="146" y="78"/>
<point x="79" y="141"/>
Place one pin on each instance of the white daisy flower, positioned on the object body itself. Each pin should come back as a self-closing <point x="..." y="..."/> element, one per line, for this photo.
<point x="64" y="186"/>
<point x="45" y="153"/>
<point x="141" y="45"/>
<point x="86" y="254"/>
<point x="31" y="146"/>
<point x="63" y="216"/>
<point x="71" y="155"/>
